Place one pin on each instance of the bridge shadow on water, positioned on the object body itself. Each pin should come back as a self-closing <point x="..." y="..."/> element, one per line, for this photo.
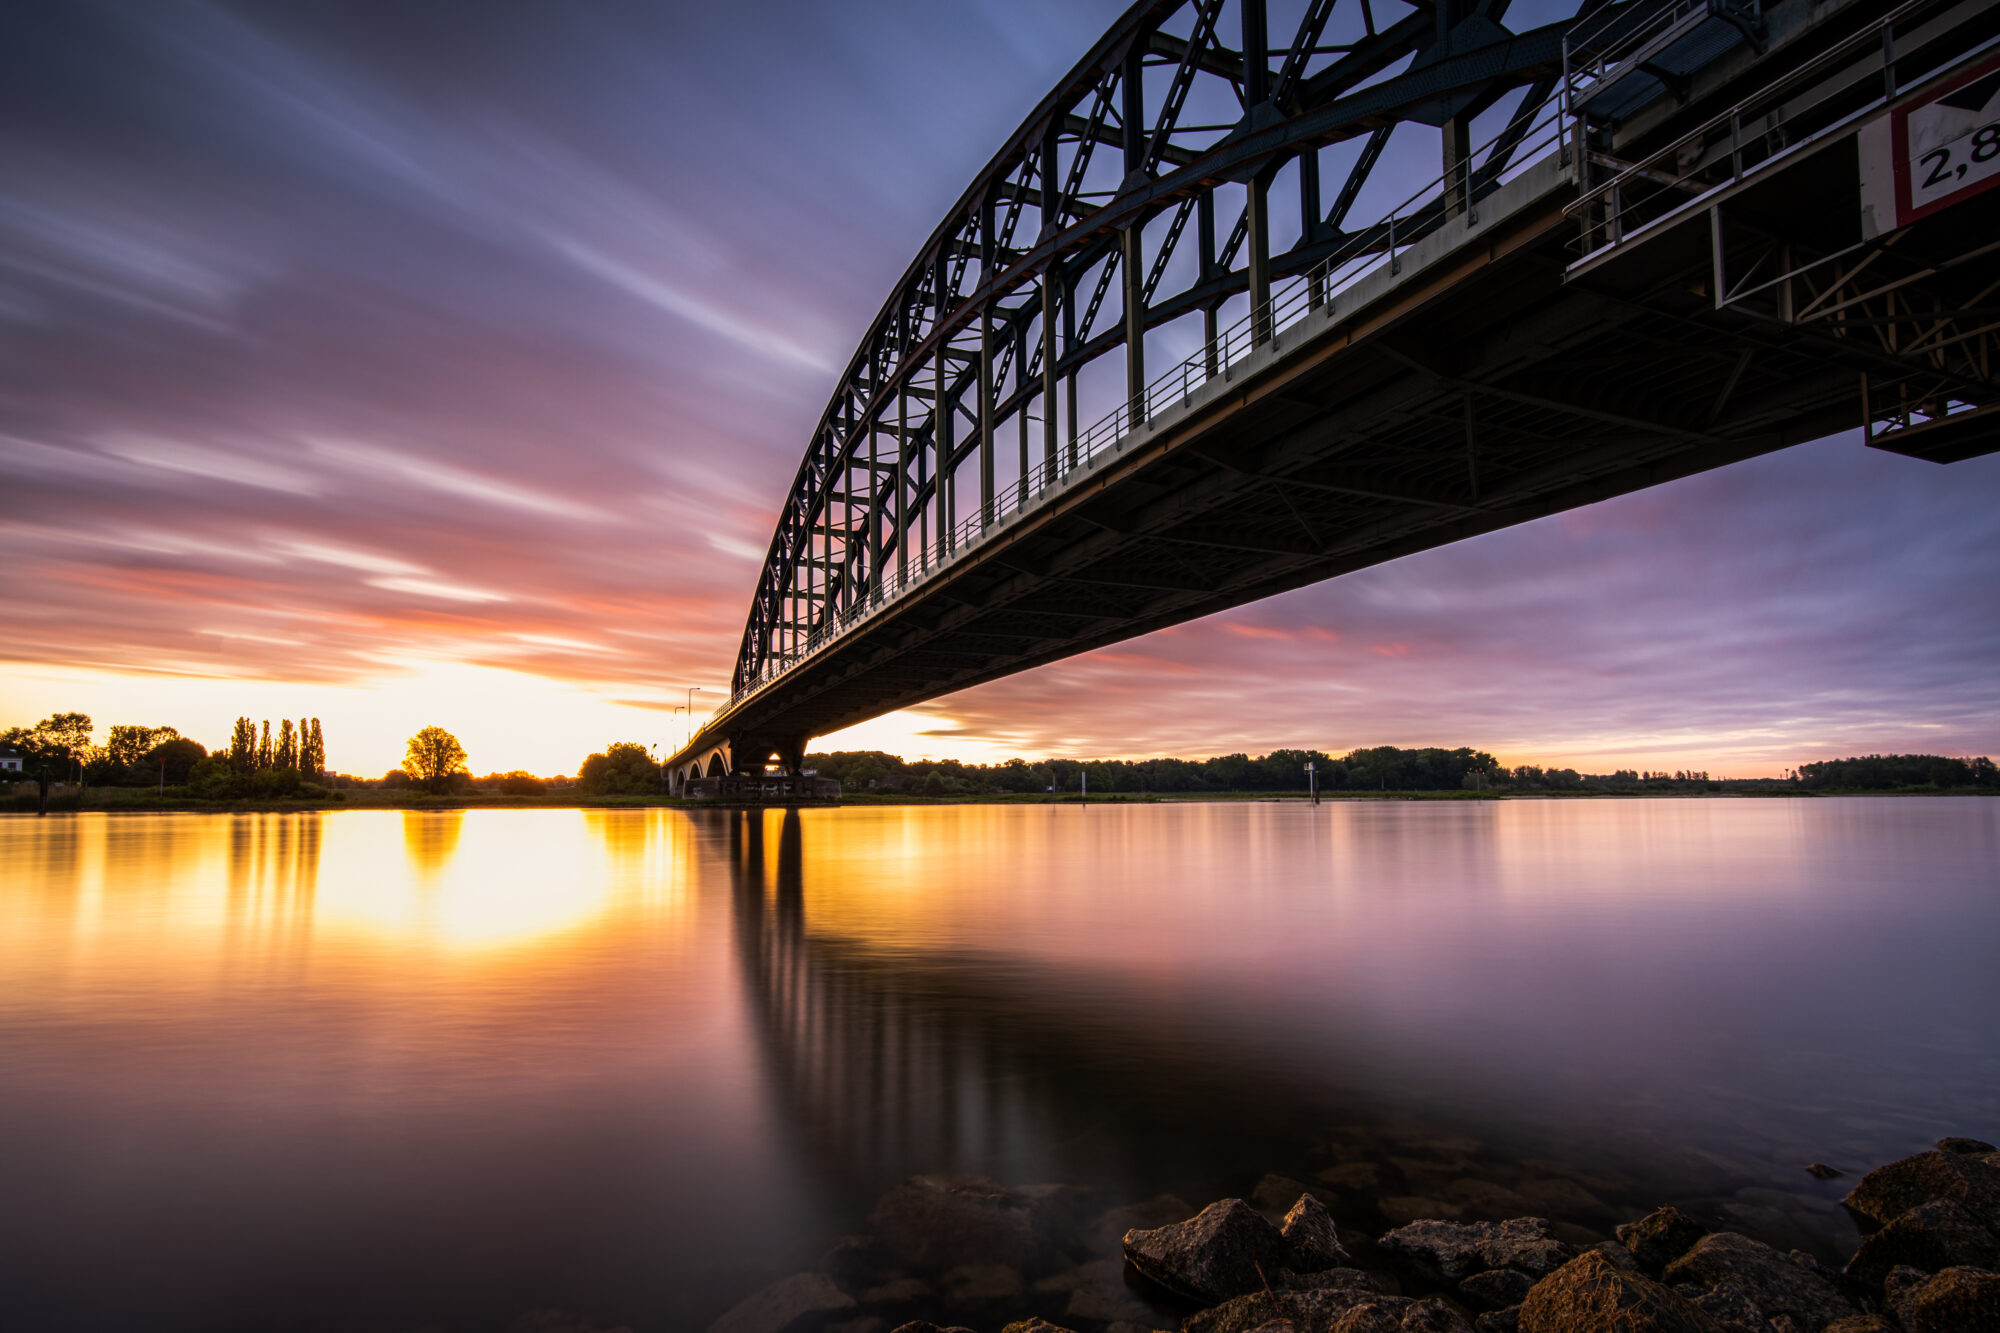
<point x="886" y="1060"/>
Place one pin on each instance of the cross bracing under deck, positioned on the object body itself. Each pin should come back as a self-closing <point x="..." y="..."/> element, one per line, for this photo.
<point x="1201" y="331"/>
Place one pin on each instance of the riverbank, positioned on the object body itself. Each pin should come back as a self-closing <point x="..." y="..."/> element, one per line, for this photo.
<point x="132" y="801"/>
<point x="944" y="1255"/>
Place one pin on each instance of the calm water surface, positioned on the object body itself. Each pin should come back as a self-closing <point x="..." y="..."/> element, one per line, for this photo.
<point x="374" y="1070"/>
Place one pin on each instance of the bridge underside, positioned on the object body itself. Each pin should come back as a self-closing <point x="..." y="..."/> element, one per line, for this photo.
<point x="1501" y="378"/>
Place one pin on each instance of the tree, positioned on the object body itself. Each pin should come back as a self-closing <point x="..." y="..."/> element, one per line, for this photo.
<point x="173" y="759"/>
<point x="624" y="767"/>
<point x="126" y="746"/>
<point x="434" y="755"/>
<point x="288" y="745"/>
<point x="243" y="747"/>
<point x="312" y="750"/>
<point x="264" y="755"/>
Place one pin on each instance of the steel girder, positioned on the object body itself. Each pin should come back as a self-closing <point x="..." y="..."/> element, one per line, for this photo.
<point x="1075" y="245"/>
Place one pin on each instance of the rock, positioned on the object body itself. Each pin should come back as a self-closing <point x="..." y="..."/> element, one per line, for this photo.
<point x="1312" y="1242"/>
<point x="1337" y="1279"/>
<point x="1459" y="1250"/>
<point x="1485" y="1198"/>
<point x="1432" y="1316"/>
<point x="1108" y="1230"/>
<point x="1225" y="1250"/>
<point x="1498" y="1321"/>
<point x="1036" y="1325"/>
<point x="867" y="1323"/>
<point x="1959" y="1145"/>
<point x="1861" y="1323"/>
<point x="980" y="1286"/>
<point x="784" y="1305"/>
<point x="1899" y="1287"/>
<point x="926" y="1326"/>
<point x="1403" y="1209"/>
<point x="1496" y="1288"/>
<point x="1821" y="1171"/>
<point x="1774" y="1284"/>
<point x="1958" y="1300"/>
<point x="1619" y="1256"/>
<point x="1316" y="1311"/>
<point x="1590" y="1294"/>
<point x="1931" y="1236"/>
<point x="1378" y="1316"/>
<point x="1728" y="1306"/>
<point x="1561" y="1197"/>
<point x="858" y="1261"/>
<point x="932" y="1223"/>
<point x="1098" y="1294"/>
<point x="1887" y="1192"/>
<point x="897" y="1291"/>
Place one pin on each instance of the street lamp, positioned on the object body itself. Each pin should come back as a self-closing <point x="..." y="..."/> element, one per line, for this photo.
<point x="692" y="691"/>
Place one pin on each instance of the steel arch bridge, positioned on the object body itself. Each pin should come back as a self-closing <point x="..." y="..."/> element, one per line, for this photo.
<point x="1211" y="324"/>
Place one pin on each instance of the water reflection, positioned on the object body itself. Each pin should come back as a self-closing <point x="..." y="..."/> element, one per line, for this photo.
<point x="430" y="839"/>
<point x="640" y="1062"/>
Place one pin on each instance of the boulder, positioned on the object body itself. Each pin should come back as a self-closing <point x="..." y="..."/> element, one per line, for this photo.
<point x="931" y="1223"/>
<point x="1958" y="1300"/>
<point x="1590" y="1294"/>
<point x="1931" y="1236"/>
<point x="1861" y="1323"/>
<point x="1036" y="1325"/>
<point x="1887" y="1192"/>
<point x="798" y="1300"/>
<point x="1393" y="1314"/>
<point x="1225" y="1250"/>
<point x="1336" y="1279"/>
<point x="1619" y="1256"/>
<point x="926" y="1326"/>
<point x="974" y="1287"/>
<point x="1729" y="1307"/>
<point x="1274" y="1193"/>
<point x="1960" y="1145"/>
<point x="1774" y="1284"/>
<point x="1108" y="1229"/>
<point x="1460" y="1249"/>
<point x="1821" y="1171"/>
<point x="1315" y="1311"/>
<point x="1312" y="1242"/>
<point x="1496" y="1288"/>
<point x="1498" y="1321"/>
<point x="1660" y="1237"/>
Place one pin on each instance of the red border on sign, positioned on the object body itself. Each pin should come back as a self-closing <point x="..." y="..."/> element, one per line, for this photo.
<point x="1899" y="147"/>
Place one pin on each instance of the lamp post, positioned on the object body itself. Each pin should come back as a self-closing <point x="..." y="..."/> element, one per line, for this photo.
<point x="1312" y="781"/>
<point x="692" y="691"/>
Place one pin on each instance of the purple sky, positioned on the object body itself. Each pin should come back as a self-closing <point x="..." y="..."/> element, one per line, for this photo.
<point x="345" y="348"/>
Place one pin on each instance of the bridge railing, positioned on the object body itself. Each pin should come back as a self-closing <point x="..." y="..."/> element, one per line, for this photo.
<point x="1619" y="199"/>
<point x="1364" y="252"/>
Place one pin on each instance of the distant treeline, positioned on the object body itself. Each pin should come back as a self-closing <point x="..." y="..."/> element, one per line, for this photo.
<point x="1379" y="768"/>
<point x="1893" y="772"/>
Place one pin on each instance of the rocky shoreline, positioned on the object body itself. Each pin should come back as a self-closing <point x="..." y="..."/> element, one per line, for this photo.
<point x="959" y="1250"/>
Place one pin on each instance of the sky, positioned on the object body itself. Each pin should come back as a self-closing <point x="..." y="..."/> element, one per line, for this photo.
<point x="447" y="364"/>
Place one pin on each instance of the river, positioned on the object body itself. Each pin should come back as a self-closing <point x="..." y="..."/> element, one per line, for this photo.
<point x="375" y="1070"/>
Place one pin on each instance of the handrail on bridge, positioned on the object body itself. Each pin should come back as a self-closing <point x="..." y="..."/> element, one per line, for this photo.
<point x="1673" y="170"/>
<point x="1364" y="252"/>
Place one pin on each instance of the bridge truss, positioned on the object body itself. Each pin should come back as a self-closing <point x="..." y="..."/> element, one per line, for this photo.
<point x="1192" y="337"/>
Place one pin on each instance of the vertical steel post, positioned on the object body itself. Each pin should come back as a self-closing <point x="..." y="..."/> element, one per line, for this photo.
<point x="1051" y="290"/>
<point x="1131" y="257"/>
<point x="1205" y="238"/>
<point x="1257" y="91"/>
<point x="1457" y="166"/>
<point x="985" y="418"/>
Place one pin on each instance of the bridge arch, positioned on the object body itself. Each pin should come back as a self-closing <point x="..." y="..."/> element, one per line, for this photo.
<point x="1002" y="478"/>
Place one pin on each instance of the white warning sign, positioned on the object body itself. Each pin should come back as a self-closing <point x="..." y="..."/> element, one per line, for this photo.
<point x="1940" y="147"/>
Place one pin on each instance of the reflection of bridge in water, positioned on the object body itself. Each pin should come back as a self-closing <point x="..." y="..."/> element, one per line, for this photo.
<point x="1667" y="235"/>
<point x="890" y="1063"/>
